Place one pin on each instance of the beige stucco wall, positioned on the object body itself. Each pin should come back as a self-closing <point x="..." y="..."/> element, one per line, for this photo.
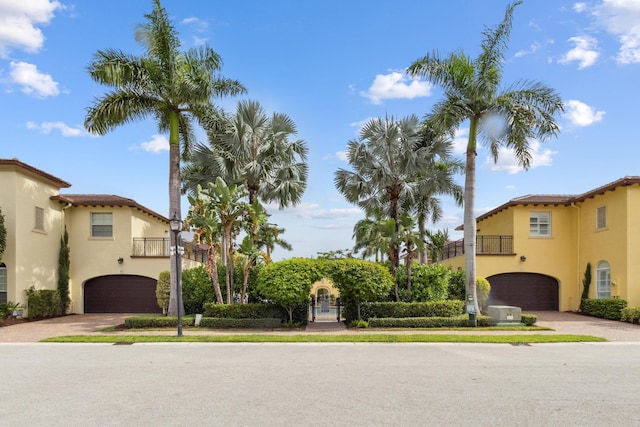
<point x="31" y="255"/>
<point x="94" y="257"/>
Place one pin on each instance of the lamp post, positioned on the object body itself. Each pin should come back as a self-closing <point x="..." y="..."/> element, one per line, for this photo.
<point x="176" y="225"/>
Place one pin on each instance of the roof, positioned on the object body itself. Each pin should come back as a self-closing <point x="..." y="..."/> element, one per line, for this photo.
<point x="105" y="200"/>
<point x="559" y="199"/>
<point x="35" y="172"/>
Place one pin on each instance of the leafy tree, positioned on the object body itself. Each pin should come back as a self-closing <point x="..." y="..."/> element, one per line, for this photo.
<point x="288" y="283"/>
<point x="3" y="235"/>
<point x="484" y="288"/>
<point x="163" y="290"/>
<point x="430" y="282"/>
<point x="64" y="264"/>
<point x="257" y="151"/>
<point x="360" y="280"/>
<point x="250" y="254"/>
<point x="197" y="289"/>
<point x="171" y="86"/>
<point x="389" y="161"/>
<point x="525" y="111"/>
<point x="586" y="283"/>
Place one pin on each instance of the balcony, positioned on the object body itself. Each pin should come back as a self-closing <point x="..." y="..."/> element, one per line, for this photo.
<point x="158" y="247"/>
<point x="485" y="245"/>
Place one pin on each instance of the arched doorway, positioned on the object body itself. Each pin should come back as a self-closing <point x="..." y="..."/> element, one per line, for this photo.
<point x="529" y="291"/>
<point x="121" y="293"/>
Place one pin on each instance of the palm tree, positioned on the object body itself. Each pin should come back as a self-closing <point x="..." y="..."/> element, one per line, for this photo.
<point x="369" y="237"/>
<point x="257" y="151"/>
<point x="388" y="162"/>
<point x="270" y="235"/>
<point x="166" y="84"/>
<point x="473" y="93"/>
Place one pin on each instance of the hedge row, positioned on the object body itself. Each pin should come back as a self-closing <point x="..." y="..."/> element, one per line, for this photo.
<point x="266" y="323"/>
<point x="159" y="321"/>
<point x="450" y="308"/>
<point x="141" y="322"/>
<point x="630" y="314"/>
<point x="241" y="311"/>
<point x="427" y="322"/>
<point x="610" y="308"/>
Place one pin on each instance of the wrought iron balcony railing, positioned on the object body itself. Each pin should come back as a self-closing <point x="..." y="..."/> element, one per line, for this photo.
<point x="485" y="245"/>
<point x="159" y="247"/>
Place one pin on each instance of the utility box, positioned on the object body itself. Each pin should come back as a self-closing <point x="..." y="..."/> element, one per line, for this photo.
<point x="505" y="314"/>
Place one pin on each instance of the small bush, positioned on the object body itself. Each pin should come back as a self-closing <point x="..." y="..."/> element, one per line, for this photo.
<point x="630" y="314"/>
<point x="528" y="319"/>
<point x="43" y="303"/>
<point x="610" y="308"/>
<point x="360" y="324"/>
<point x="415" y="309"/>
<point x="140" y="322"/>
<point x="254" y="323"/>
<point x="428" y="322"/>
<point x="163" y="290"/>
<point x="242" y="311"/>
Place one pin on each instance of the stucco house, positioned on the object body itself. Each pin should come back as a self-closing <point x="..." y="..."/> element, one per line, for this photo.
<point x="534" y="249"/>
<point x="118" y="247"/>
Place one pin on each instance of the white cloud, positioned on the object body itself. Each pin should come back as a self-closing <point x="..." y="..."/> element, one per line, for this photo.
<point x="533" y="48"/>
<point x="199" y="41"/>
<point x="585" y="52"/>
<point x="581" y="114"/>
<point x="19" y="21"/>
<point x="197" y="23"/>
<point x="66" y="131"/>
<point x="507" y="161"/>
<point x="395" y="86"/>
<point x="461" y="140"/>
<point x="32" y="81"/>
<point x="622" y="19"/>
<point x="157" y="144"/>
<point x="579" y="7"/>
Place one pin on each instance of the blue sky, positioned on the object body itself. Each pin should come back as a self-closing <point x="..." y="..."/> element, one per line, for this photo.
<point x="330" y="65"/>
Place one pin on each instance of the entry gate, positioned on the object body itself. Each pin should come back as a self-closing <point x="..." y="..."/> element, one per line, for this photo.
<point x="323" y="312"/>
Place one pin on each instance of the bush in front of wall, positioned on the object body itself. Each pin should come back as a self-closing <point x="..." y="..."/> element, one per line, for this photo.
<point x="630" y="315"/>
<point x="43" y="303"/>
<point x="528" y="319"/>
<point x="141" y="322"/>
<point x="447" y="308"/>
<point x="608" y="308"/>
<point x="461" y="321"/>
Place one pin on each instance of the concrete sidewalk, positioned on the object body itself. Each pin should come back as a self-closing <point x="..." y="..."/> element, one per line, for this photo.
<point x="89" y="324"/>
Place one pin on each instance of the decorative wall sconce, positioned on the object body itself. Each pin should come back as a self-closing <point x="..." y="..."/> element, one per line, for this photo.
<point x="120" y="260"/>
<point x="523" y="258"/>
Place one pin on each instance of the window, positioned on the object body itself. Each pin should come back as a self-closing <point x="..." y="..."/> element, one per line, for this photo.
<point x="540" y="224"/>
<point x="601" y="218"/>
<point x="3" y="283"/>
<point x="39" y="219"/>
<point x="603" y="280"/>
<point x="101" y="225"/>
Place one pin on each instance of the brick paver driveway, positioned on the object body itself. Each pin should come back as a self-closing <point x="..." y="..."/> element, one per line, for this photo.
<point x="83" y="324"/>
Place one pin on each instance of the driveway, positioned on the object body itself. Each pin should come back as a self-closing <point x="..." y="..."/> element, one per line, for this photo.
<point x="83" y="324"/>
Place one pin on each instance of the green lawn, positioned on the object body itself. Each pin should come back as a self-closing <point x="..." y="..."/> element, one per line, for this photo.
<point x="360" y="338"/>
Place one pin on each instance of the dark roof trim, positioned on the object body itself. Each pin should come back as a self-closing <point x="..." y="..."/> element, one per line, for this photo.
<point x="34" y="171"/>
<point x="105" y="200"/>
<point x="558" y="199"/>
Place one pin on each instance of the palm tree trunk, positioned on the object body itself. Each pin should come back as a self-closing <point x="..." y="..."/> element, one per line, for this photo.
<point x="174" y="209"/>
<point x="469" y="217"/>
<point x="422" y="252"/>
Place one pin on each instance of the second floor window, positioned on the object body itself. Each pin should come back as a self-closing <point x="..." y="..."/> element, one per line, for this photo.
<point x="540" y="224"/>
<point x="101" y="224"/>
<point x="39" y="225"/>
<point x="601" y="218"/>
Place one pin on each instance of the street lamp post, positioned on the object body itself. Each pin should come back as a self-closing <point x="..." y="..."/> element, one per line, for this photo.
<point x="176" y="225"/>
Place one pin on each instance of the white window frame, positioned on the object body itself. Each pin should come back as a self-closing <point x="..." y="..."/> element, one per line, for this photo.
<point x="603" y="280"/>
<point x="3" y="283"/>
<point x="601" y="217"/>
<point x="99" y="219"/>
<point x="534" y="228"/>
<point x="39" y="219"/>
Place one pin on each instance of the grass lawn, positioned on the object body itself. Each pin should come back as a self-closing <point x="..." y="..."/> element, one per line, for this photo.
<point x="320" y="338"/>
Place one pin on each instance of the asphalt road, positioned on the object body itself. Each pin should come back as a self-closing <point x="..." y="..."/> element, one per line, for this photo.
<point x="273" y="384"/>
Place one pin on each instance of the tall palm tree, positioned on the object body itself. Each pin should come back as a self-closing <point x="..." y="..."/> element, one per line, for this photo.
<point x="388" y="162"/>
<point x="369" y="237"/>
<point x="166" y="84"/>
<point x="473" y="92"/>
<point x="257" y="151"/>
<point x="270" y="235"/>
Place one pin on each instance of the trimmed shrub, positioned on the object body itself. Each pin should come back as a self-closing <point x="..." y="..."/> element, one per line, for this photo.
<point x="429" y="282"/>
<point x="255" y="323"/>
<point x="630" y="314"/>
<point x="242" y="311"/>
<point x="461" y="321"/>
<point x="610" y="308"/>
<point x="528" y="319"/>
<point x="163" y="289"/>
<point x="457" y="285"/>
<point x="43" y="303"/>
<point x="483" y="287"/>
<point x="139" y="322"/>
<point x="412" y="309"/>
<point x="197" y="289"/>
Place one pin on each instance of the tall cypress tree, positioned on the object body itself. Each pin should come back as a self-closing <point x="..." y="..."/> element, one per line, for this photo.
<point x="3" y="235"/>
<point x="64" y="263"/>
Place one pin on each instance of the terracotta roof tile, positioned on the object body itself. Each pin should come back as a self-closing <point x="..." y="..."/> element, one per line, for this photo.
<point x="40" y="173"/>
<point x="105" y="200"/>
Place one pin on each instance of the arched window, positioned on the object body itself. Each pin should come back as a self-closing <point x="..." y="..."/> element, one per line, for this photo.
<point x="603" y="280"/>
<point x="3" y="283"/>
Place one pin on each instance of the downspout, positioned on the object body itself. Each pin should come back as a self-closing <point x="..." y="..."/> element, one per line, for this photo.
<point x="578" y="235"/>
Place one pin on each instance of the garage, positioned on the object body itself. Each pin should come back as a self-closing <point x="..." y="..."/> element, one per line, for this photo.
<point x="121" y="293"/>
<point x="529" y="291"/>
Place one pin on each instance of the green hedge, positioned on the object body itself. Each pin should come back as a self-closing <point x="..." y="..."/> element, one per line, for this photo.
<point x="43" y="303"/>
<point x="140" y="322"/>
<point x="412" y="309"/>
<point x="610" y="308"/>
<point x="427" y="322"/>
<point x="241" y="311"/>
<point x="630" y="315"/>
<point x="255" y="323"/>
<point x="528" y="319"/>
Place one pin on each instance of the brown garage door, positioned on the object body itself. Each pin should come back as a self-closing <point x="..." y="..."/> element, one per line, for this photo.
<point x="529" y="291"/>
<point x="120" y="294"/>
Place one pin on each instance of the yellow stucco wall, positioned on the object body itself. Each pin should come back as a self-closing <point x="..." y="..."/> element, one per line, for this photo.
<point x="631" y="281"/>
<point x="31" y="255"/>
